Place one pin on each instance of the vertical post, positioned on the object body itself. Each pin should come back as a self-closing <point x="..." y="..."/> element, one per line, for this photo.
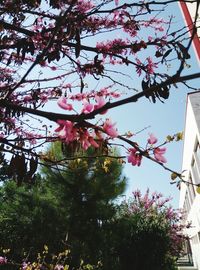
<point x="188" y="19"/>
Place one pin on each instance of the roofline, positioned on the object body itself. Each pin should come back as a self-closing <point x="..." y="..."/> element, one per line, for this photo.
<point x="190" y="93"/>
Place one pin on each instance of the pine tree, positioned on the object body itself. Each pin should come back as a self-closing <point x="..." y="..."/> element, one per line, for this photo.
<point x="65" y="206"/>
<point x="87" y="188"/>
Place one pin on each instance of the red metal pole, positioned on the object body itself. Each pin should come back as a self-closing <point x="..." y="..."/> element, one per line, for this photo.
<point x="188" y="19"/>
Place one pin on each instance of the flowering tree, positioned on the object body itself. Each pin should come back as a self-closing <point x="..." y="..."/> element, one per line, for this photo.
<point x="58" y="50"/>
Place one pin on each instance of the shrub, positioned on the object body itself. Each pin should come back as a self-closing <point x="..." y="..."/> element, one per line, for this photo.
<point x="145" y="234"/>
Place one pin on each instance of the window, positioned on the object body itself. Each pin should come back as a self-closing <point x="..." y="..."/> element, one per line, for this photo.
<point x="186" y="205"/>
<point x="199" y="236"/>
<point x="191" y="189"/>
<point x="195" y="240"/>
<point x="197" y="151"/>
<point x="195" y="172"/>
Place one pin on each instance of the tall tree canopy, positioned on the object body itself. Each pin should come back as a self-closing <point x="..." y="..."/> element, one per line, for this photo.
<point x="80" y="51"/>
<point x="62" y="209"/>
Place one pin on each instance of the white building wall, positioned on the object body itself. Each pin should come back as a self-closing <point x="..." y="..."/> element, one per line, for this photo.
<point x="189" y="199"/>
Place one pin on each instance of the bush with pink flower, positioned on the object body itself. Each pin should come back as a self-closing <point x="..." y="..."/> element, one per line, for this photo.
<point x="145" y="234"/>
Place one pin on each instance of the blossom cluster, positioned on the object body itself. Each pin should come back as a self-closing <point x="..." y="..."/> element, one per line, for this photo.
<point x="116" y="46"/>
<point x="70" y="132"/>
<point x="58" y="261"/>
<point x="135" y="154"/>
<point x="3" y="260"/>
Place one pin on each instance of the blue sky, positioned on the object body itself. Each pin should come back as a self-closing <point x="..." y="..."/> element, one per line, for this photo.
<point x="163" y="119"/>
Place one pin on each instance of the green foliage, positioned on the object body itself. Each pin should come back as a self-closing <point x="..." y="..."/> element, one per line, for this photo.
<point x="65" y="204"/>
<point x="88" y="188"/>
<point x="28" y="218"/>
<point x="144" y="235"/>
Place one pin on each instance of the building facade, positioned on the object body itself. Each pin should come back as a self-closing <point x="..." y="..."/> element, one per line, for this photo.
<point x="189" y="198"/>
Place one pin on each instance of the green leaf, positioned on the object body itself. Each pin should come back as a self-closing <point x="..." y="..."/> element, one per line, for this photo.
<point x="170" y="138"/>
<point x="179" y="136"/>
<point x="198" y="189"/>
<point x="174" y="176"/>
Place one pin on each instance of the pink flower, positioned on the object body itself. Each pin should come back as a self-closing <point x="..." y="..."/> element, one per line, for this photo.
<point x="66" y="130"/>
<point x="43" y="98"/>
<point x="158" y="154"/>
<point x="84" y="140"/>
<point x="27" y="98"/>
<point x="84" y="6"/>
<point x="152" y="139"/>
<point x="87" y="140"/>
<point x="100" y="103"/>
<point x="59" y="267"/>
<point x="3" y="260"/>
<point x="25" y="265"/>
<point x="53" y="68"/>
<point x="87" y="107"/>
<point x="151" y="65"/>
<point x="93" y="142"/>
<point x="108" y="127"/>
<point x="134" y="158"/>
<point x="62" y="103"/>
<point x="115" y="95"/>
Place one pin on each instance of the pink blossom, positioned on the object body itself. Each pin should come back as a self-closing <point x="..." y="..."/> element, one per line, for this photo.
<point x="27" y="99"/>
<point x="84" y="140"/>
<point x="114" y="46"/>
<point x="93" y="142"/>
<point x="115" y="95"/>
<point x="108" y="127"/>
<point x="87" y="107"/>
<point x="100" y="103"/>
<point x="43" y="98"/>
<point x="139" y="67"/>
<point x="59" y="267"/>
<point x="66" y="130"/>
<point x="134" y="158"/>
<point x="158" y="154"/>
<point x="84" y="6"/>
<point x="25" y="265"/>
<point x="53" y="68"/>
<point x="152" y="139"/>
<point x="62" y="103"/>
<point x="3" y="260"/>
<point x="87" y="140"/>
<point x="68" y="85"/>
<point x="151" y="65"/>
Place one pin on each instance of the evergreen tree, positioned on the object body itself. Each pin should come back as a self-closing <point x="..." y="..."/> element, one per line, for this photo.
<point x="87" y="189"/>
<point x="63" y="207"/>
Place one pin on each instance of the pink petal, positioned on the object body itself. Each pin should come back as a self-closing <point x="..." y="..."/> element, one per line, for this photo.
<point x="87" y="107"/>
<point x="152" y="139"/>
<point x="160" y="158"/>
<point x="93" y="142"/>
<point x="62" y="103"/>
<point x="109" y="128"/>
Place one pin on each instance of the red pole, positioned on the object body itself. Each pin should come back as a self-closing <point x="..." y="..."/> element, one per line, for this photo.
<point x="187" y="16"/>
